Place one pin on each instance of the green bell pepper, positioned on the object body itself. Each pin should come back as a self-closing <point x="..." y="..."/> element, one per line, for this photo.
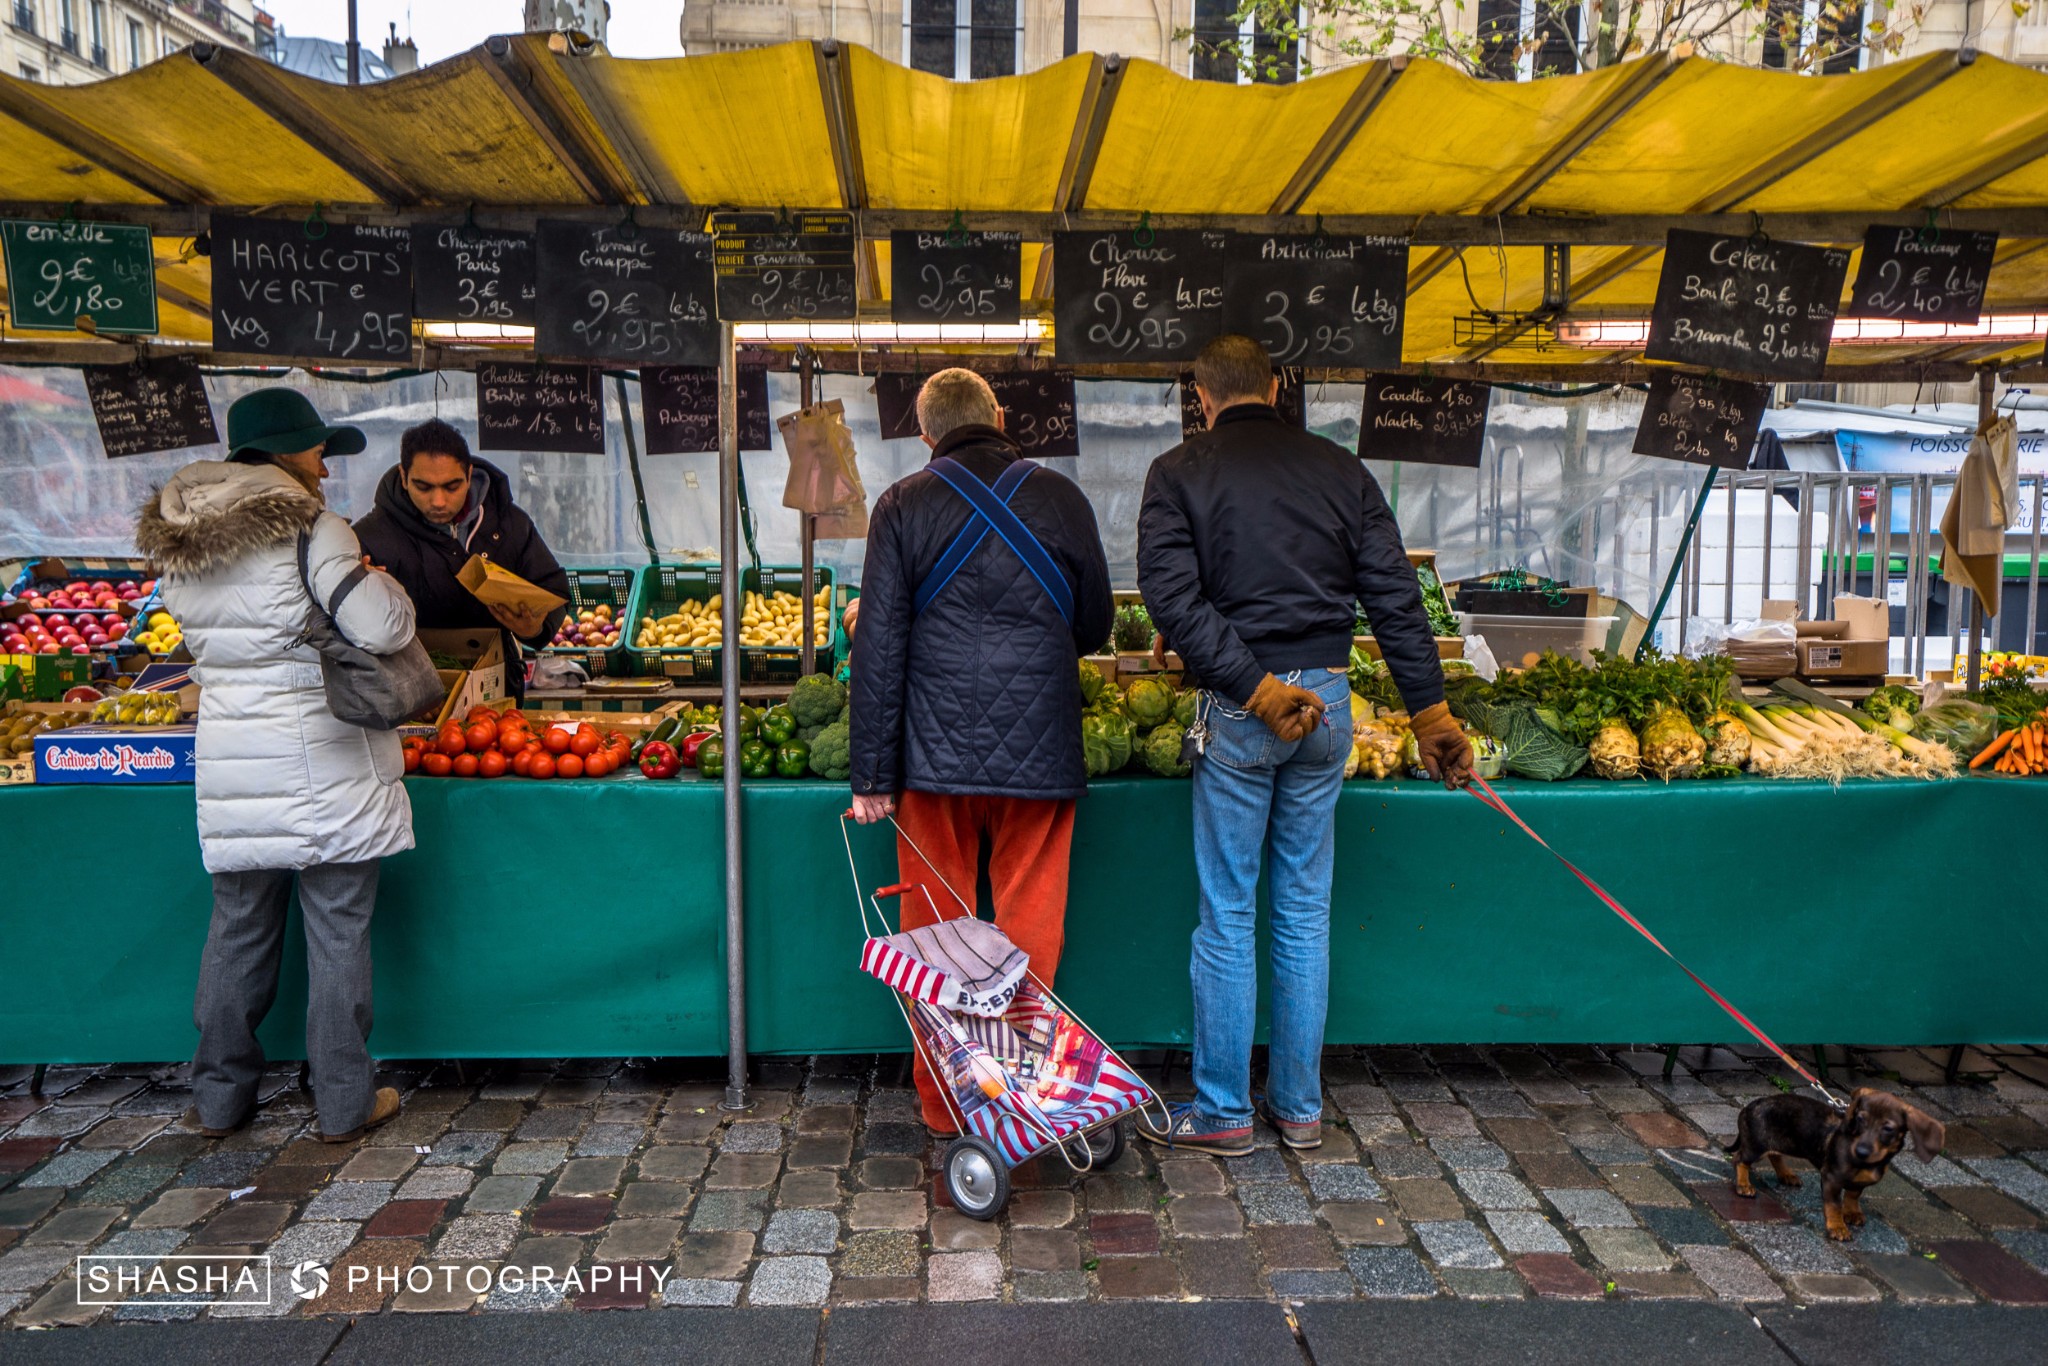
<point x="757" y="759"/>
<point x="711" y="758"/>
<point x="778" y="725"/>
<point x="793" y="759"/>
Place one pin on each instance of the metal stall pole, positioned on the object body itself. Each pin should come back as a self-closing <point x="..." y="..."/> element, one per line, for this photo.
<point x="1770" y="509"/>
<point x="2034" y="570"/>
<point x="807" y="378"/>
<point x="1987" y="408"/>
<point x="729" y="721"/>
<point x="1881" y="557"/>
<point x="1804" y="580"/>
<point x="1916" y="571"/>
<point x="1728" y="581"/>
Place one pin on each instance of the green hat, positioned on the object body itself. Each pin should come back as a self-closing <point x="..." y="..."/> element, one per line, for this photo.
<point x="281" y="422"/>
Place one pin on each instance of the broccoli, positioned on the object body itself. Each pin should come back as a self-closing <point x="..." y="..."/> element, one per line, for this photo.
<point x="1893" y="705"/>
<point x="817" y="700"/>
<point x="829" y="753"/>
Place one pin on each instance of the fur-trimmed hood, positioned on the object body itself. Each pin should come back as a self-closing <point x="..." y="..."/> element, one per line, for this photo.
<point x="214" y="512"/>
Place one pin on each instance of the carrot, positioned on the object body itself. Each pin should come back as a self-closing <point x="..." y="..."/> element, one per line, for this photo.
<point x="2034" y="743"/>
<point x="1992" y="750"/>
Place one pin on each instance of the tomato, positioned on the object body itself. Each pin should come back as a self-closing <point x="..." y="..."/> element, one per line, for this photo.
<point x="482" y="711"/>
<point x="556" y="740"/>
<point x="522" y="763"/>
<point x="583" y="743"/>
<point x="435" y="764"/>
<point x="481" y="737"/>
<point x="464" y="765"/>
<point x="599" y="764"/>
<point x="543" y="766"/>
<point x="510" y="742"/>
<point x="491" y="764"/>
<point x="452" y="741"/>
<point x="512" y="716"/>
<point x="569" y="766"/>
<point x="412" y="759"/>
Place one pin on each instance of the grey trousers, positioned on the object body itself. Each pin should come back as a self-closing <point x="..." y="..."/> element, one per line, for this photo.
<point x="238" y="982"/>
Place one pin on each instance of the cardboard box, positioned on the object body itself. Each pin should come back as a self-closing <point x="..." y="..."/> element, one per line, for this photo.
<point x="483" y="651"/>
<point x="1779" y="609"/>
<point x="46" y="678"/>
<point x="1822" y="630"/>
<point x="1867" y="618"/>
<point x="117" y="755"/>
<point x="1830" y="660"/>
<point x="493" y="583"/>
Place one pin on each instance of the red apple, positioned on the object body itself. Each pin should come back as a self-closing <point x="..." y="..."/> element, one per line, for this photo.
<point x="48" y="647"/>
<point x="81" y="649"/>
<point x="102" y="586"/>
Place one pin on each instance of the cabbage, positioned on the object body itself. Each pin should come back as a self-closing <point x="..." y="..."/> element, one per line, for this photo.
<point x="1893" y="705"/>
<point x="1162" y="751"/>
<point x="1533" y="749"/>
<point x="1148" y="701"/>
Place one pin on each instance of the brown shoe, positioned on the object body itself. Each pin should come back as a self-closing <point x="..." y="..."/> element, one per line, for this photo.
<point x="191" y="1120"/>
<point x="384" y="1111"/>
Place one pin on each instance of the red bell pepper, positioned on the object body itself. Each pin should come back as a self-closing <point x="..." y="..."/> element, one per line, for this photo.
<point x="658" y="760"/>
<point x="691" y="743"/>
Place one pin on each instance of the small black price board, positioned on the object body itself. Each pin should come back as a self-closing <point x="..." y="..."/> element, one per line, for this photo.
<point x="539" y="408"/>
<point x="1335" y="301"/>
<point x="1702" y="419"/>
<point x="1123" y="296"/>
<point x="625" y="294"/>
<point x="1038" y="408"/>
<point x="1746" y="305"/>
<point x="1424" y="421"/>
<point x="679" y="408"/>
<point x="939" y="277"/>
<point x="59" y="272"/>
<point x="466" y="274"/>
<point x="338" y="291"/>
<point x="1915" y="275"/>
<point x="1291" y="403"/>
<point x="774" y="268"/>
<point x="157" y="404"/>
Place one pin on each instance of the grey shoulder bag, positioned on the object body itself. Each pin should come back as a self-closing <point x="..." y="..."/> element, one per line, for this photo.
<point x="376" y="692"/>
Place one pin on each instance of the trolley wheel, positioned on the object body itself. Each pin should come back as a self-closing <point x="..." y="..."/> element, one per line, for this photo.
<point x="975" y="1178"/>
<point x="1104" y="1146"/>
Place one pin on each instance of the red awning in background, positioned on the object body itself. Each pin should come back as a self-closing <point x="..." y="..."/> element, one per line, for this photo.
<point x="16" y="390"/>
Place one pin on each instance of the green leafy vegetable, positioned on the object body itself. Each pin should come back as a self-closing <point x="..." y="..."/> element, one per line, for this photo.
<point x="1893" y="705"/>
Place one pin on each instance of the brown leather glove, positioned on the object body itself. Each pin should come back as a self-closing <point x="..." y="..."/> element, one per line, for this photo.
<point x="1441" y="743"/>
<point x="1289" y="712"/>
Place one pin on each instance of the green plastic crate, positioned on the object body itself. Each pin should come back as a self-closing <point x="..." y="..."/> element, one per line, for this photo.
<point x="589" y="588"/>
<point x="661" y="589"/>
<point x="657" y="591"/>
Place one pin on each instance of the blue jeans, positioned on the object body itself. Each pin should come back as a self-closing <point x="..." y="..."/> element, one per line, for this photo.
<point x="1256" y="795"/>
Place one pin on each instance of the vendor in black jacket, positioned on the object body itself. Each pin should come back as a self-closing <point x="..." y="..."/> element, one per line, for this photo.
<point x="438" y="506"/>
<point x="1256" y="542"/>
<point x="966" y="716"/>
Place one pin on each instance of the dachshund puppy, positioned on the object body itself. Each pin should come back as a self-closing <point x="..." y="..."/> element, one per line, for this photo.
<point x="1850" y="1149"/>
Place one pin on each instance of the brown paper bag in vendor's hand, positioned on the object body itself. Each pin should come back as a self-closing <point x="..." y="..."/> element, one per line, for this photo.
<point x="824" y="475"/>
<point x="493" y="583"/>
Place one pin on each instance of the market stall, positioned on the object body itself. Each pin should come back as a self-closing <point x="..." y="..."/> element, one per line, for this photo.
<point x="1830" y="915"/>
<point x="1662" y="210"/>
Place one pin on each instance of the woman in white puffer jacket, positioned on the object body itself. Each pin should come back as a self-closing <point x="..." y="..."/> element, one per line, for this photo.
<point x="284" y="789"/>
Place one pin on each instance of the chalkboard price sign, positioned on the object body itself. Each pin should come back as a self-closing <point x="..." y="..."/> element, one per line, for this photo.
<point x="798" y="268"/>
<point x="539" y="408"/>
<point x="1701" y="419"/>
<point x="1334" y="301"/>
<point x="1038" y="409"/>
<point x="1426" y="421"/>
<point x="1291" y="404"/>
<point x="58" y="272"/>
<point x="466" y="274"/>
<point x="1119" y="296"/>
<point x="150" y="405"/>
<point x="938" y="277"/>
<point x="679" y="408"/>
<point x="1919" y="276"/>
<point x="339" y="291"/>
<point x="630" y="295"/>
<point x="1746" y="305"/>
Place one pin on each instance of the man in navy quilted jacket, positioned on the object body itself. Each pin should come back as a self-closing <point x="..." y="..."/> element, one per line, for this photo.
<point x="985" y="583"/>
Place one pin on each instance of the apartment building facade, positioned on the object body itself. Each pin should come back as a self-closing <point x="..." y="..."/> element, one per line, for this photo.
<point x="69" y="42"/>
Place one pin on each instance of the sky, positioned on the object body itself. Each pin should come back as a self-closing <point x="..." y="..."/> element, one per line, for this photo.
<point x="443" y="28"/>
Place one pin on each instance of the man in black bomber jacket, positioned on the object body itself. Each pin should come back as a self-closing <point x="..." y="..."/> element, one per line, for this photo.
<point x="438" y="506"/>
<point x="1256" y="542"/>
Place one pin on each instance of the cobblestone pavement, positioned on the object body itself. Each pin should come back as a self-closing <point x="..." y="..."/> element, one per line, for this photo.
<point x="1474" y="1173"/>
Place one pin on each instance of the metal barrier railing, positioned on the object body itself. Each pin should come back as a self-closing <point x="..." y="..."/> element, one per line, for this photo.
<point x="1843" y="522"/>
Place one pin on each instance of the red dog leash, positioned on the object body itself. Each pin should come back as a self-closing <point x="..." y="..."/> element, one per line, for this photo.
<point x="1494" y="801"/>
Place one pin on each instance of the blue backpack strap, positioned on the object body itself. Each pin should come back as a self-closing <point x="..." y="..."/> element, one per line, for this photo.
<point x="1011" y="528"/>
<point x="971" y="535"/>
